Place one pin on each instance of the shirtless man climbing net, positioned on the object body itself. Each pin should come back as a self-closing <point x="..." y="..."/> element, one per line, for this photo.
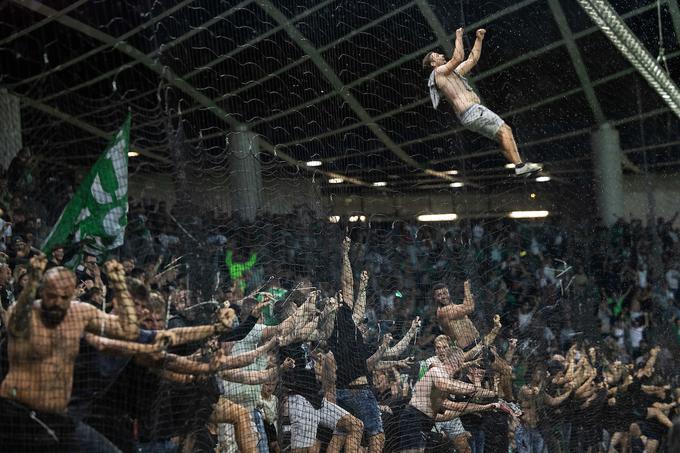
<point x="448" y="77"/>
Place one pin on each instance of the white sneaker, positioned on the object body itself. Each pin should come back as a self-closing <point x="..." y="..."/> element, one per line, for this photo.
<point x="528" y="168"/>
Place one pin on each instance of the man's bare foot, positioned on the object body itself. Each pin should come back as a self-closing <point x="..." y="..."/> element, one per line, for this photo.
<point x="480" y="33"/>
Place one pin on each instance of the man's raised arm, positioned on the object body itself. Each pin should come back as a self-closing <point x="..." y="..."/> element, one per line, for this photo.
<point x="124" y="324"/>
<point x="251" y="377"/>
<point x="456" y="58"/>
<point x="456" y="387"/>
<point x="360" y="304"/>
<point x="347" y="276"/>
<point x="183" y="335"/>
<point x="474" y="55"/>
<point x="452" y="311"/>
<point x="398" y="349"/>
<point x="20" y="314"/>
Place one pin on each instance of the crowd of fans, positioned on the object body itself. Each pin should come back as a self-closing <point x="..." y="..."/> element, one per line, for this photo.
<point x="566" y="339"/>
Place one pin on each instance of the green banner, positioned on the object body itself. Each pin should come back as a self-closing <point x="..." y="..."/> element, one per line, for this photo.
<point x="97" y="214"/>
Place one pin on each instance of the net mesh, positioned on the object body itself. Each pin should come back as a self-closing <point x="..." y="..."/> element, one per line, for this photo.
<point x="250" y="270"/>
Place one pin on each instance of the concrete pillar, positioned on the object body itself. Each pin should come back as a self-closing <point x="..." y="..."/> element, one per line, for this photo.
<point x="245" y="178"/>
<point x="608" y="173"/>
<point x="10" y="127"/>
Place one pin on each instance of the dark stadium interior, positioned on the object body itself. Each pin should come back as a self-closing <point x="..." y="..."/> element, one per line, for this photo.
<point x="239" y="57"/>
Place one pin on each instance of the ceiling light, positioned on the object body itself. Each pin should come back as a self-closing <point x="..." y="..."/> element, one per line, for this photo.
<point x="314" y="163"/>
<point x="543" y="179"/>
<point x="509" y="165"/>
<point x="335" y="180"/>
<point x="451" y="172"/>
<point x="456" y="184"/>
<point x="533" y="195"/>
<point x="379" y="184"/>
<point x="437" y="217"/>
<point x="357" y="218"/>
<point x="133" y="154"/>
<point x="528" y="214"/>
<point x="334" y="219"/>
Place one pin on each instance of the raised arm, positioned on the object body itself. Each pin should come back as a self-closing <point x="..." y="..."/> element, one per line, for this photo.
<point x="451" y="311"/>
<point x="121" y="346"/>
<point x="124" y="324"/>
<point x="474" y="55"/>
<point x="390" y="364"/>
<point x="455" y="409"/>
<point x="456" y="58"/>
<point x="256" y="377"/>
<point x="360" y="303"/>
<point x="557" y="400"/>
<point x="246" y="358"/>
<point x="456" y="387"/>
<point x="398" y="349"/>
<point x="347" y="276"/>
<point x="183" y="335"/>
<point x="375" y="358"/>
<point x="20" y="314"/>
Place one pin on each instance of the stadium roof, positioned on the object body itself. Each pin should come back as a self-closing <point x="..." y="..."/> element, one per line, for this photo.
<point x="337" y="81"/>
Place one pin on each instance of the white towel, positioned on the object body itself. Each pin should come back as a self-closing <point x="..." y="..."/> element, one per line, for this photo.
<point x="434" y="91"/>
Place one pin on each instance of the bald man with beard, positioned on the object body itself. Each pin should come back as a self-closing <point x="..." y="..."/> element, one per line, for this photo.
<point x="43" y="342"/>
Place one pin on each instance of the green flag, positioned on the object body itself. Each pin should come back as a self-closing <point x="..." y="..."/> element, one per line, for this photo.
<point x="97" y="213"/>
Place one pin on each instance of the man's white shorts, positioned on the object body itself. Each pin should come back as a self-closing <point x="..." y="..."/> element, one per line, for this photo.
<point x="304" y="420"/>
<point x="452" y="428"/>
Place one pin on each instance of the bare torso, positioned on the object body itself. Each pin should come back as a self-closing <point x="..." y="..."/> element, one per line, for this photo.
<point x="530" y="399"/>
<point x="426" y="397"/>
<point x="41" y="365"/>
<point x="456" y="91"/>
<point x="462" y="330"/>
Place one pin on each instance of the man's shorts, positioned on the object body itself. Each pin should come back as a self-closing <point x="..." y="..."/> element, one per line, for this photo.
<point x="304" y="420"/>
<point x="452" y="428"/>
<point x="362" y="404"/>
<point x="413" y="428"/>
<point x="23" y="430"/>
<point x="481" y="120"/>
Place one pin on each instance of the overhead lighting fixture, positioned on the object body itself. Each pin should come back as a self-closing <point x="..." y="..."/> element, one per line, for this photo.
<point x="510" y="166"/>
<point x="357" y="218"/>
<point x="437" y="217"/>
<point x="528" y="214"/>
<point x="456" y="184"/>
<point x="379" y="184"/>
<point x="334" y="219"/>
<point x="451" y="172"/>
<point x="543" y="179"/>
<point x="614" y="28"/>
<point x="314" y="163"/>
<point x="533" y="195"/>
<point x="133" y="154"/>
<point x="335" y="181"/>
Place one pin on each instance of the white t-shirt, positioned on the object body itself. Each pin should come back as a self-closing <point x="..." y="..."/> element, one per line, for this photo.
<point x="642" y="279"/>
<point x="244" y="394"/>
<point x="636" y="336"/>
